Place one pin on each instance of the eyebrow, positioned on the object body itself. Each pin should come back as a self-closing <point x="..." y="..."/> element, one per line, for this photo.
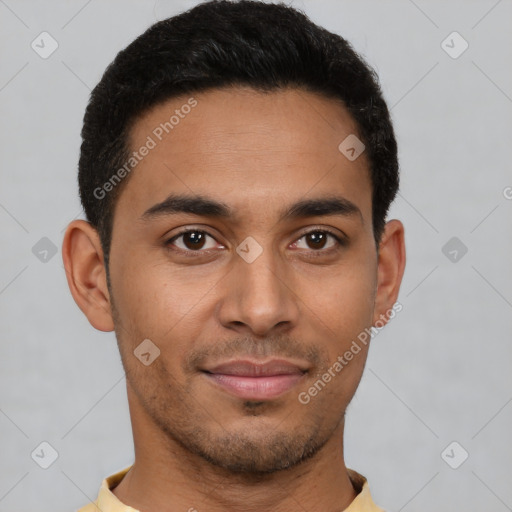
<point x="207" y="207"/>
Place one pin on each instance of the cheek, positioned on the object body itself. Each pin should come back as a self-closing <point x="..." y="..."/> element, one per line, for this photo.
<point x="342" y="299"/>
<point x="166" y="304"/>
<point x="155" y="292"/>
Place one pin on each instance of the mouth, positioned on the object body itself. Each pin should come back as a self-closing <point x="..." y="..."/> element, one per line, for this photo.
<point x="256" y="381"/>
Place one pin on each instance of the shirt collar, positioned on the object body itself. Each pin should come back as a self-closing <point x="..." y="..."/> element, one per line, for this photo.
<point x="363" y="501"/>
<point x="108" y="502"/>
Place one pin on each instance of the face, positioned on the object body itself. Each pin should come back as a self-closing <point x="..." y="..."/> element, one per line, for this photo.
<point x="244" y="237"/>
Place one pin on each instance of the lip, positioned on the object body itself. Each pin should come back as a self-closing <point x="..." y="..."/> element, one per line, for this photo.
<point x="256" y="380"/>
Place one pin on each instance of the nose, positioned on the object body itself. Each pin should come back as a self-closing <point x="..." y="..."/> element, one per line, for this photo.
<point x="257" y="297"/>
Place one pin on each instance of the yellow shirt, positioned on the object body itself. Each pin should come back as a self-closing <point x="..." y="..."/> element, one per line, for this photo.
<point x="107" y="501"/>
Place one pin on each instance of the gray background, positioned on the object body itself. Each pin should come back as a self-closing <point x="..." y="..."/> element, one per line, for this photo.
<point x="438" y="373"/>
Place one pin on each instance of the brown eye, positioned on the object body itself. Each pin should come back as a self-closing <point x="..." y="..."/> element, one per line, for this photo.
<point x="318" y="240"/>
<point x="192" y="240"/>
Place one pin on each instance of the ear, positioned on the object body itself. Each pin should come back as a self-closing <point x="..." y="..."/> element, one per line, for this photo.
<point x="390" y="270"/>
<point x="85" y="272"/>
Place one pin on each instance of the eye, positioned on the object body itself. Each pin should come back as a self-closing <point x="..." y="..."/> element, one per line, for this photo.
<point x="318" y="240"/>
<point x="192" y="240"/>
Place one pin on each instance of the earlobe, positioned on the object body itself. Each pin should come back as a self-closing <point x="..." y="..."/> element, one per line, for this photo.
<point x="85" y="272"/>
<point x="391" y="266"/>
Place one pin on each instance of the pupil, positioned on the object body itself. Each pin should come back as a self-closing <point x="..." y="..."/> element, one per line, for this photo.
<point x="195" y="238"/>
<point x="317" y="238"/>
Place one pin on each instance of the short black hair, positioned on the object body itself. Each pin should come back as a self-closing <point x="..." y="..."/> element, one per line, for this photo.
<point x="218" y="44"/>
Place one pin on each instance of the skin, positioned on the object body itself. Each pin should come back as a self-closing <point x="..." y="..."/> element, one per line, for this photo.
<point x="197" y="446"/>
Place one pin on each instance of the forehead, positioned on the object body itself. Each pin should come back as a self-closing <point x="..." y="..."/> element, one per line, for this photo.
<point x="247" y="148"/>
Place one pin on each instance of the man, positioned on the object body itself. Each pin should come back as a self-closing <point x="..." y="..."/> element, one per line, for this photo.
<point x="236" y="170"/>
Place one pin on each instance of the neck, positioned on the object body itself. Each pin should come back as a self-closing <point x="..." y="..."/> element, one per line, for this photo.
<point x="167" y="477"/>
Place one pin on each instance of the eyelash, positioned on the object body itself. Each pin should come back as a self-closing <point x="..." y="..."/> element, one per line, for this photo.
<point x="341" y="242"/>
